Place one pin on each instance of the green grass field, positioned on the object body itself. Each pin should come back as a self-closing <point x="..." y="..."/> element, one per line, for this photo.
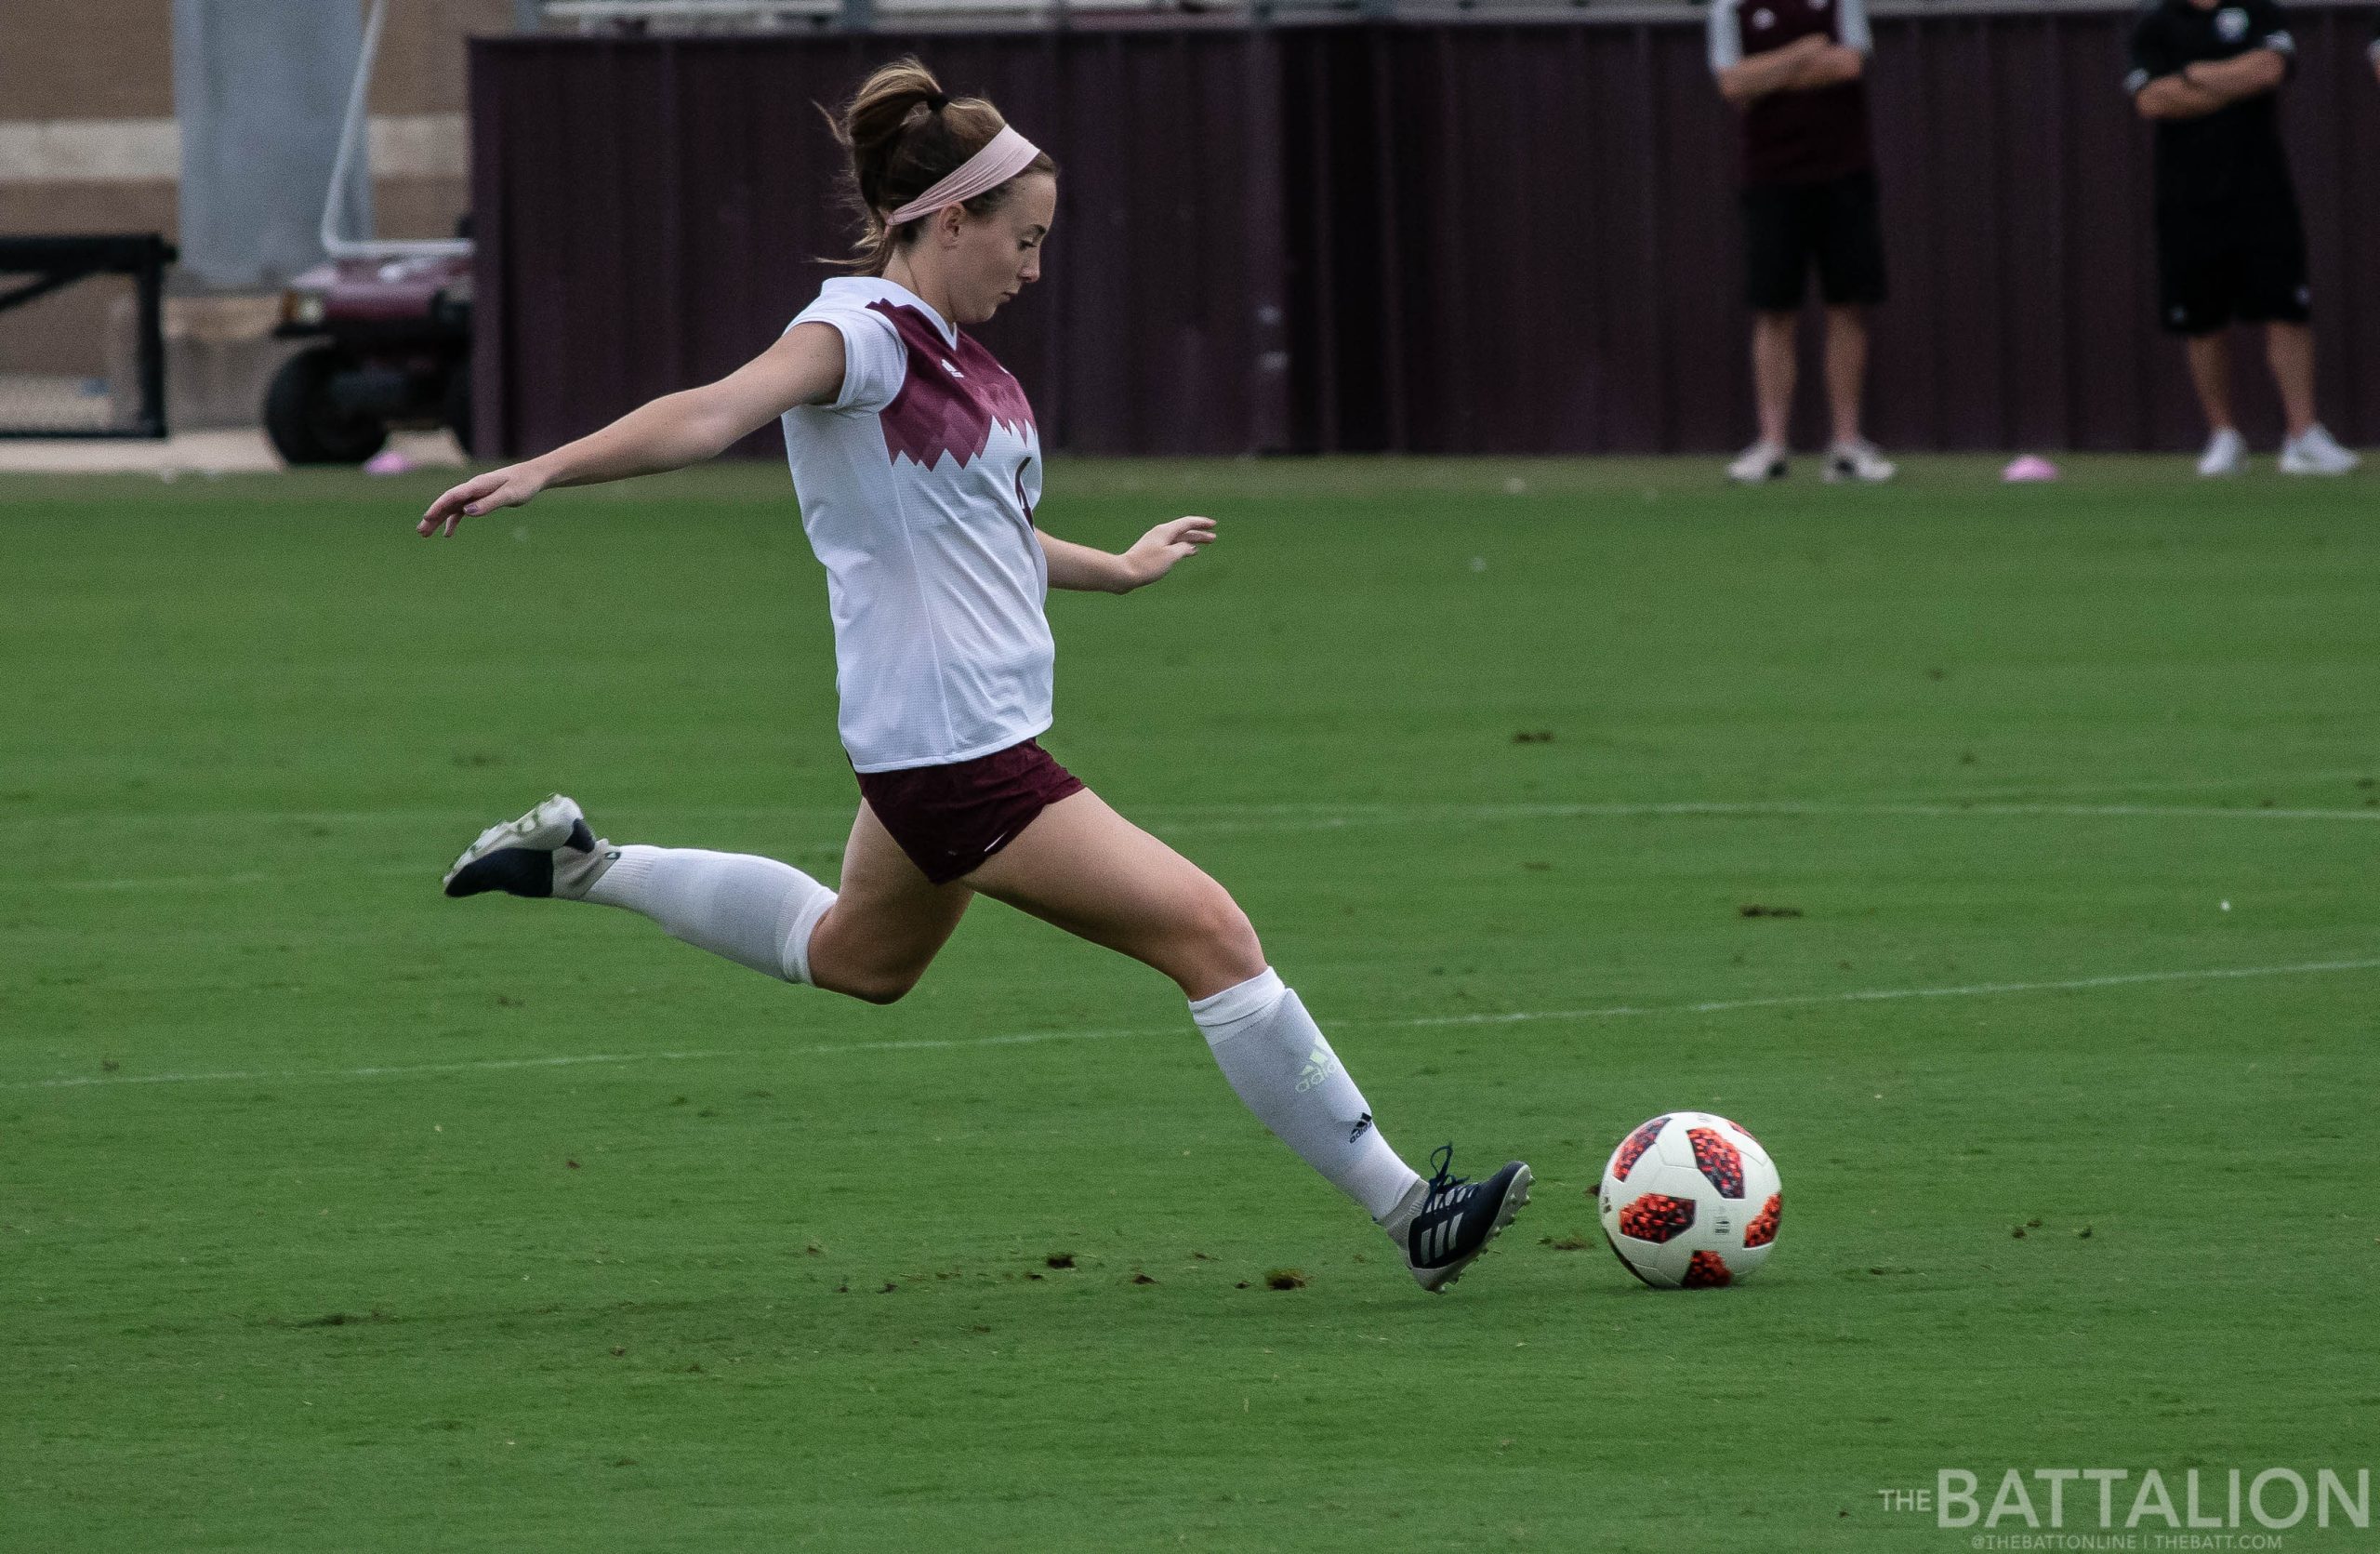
<point x="335" y="1216"/>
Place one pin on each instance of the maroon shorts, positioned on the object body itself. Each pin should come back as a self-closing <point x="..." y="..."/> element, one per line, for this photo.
<point x="950" y="818"/>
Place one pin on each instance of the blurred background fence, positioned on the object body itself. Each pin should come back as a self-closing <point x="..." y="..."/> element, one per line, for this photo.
<point x="58" y="376"/>
<point x="1460" y="235"/>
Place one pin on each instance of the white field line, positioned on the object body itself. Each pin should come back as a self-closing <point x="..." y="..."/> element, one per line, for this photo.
<point x="1292" y="817"/>
<point x="1612" y="1011"/>
<point x="1219" y="820"/>
<point x="840" y="815"/>
<point x="226" y="1076"/>
<point x="2168" y="784"/>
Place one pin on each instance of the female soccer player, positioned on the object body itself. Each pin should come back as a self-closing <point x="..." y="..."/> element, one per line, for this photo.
<point x="917" y="465"/>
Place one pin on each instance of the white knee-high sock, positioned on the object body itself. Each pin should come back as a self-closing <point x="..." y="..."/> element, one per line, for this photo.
<point x="1278" y="1061"/>
<point x="756" y="912"/>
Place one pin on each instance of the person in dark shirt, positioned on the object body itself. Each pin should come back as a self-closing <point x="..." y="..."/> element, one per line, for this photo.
<point x="2229" y="243"/>
<point x="1794" y="69"/>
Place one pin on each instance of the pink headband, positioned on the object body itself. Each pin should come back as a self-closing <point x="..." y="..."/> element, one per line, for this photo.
<point x="1007" y="154"/>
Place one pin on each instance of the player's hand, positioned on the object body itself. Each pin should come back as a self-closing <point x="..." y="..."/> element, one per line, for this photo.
<point x="510" y="486"/>
<point x="1153" y="555"/>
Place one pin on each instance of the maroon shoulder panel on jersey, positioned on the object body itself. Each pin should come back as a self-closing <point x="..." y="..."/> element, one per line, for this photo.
<point x="951" y="396"/>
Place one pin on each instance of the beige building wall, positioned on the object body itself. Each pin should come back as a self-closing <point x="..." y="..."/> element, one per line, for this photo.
<point x="88" y="143"/>
<point x="86" y="106"/>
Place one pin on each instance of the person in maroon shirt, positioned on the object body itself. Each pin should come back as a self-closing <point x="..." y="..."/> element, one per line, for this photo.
<point x="1794" y="69"/>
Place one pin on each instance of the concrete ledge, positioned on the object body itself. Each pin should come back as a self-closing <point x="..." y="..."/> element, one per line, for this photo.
<point x="242" y="451"/>
<point x="219" y="355"/>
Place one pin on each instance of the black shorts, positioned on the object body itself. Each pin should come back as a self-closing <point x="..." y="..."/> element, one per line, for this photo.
<point x="1789" y="226"/>
<point x="950" y="818"/>
<point x="2231" y="259"/>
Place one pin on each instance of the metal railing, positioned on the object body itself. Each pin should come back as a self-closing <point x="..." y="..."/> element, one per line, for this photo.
<point x="353" y="161"/>
<point x="681" y="16"/>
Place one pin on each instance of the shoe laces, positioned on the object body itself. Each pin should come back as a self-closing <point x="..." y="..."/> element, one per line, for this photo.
<point x="1442" y="1176"/>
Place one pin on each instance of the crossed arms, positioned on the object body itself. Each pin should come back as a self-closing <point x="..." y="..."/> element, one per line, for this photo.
<point x="2198" y="89"/>
<point x="1805" y="65"/>
<point x="1812" y="63"/>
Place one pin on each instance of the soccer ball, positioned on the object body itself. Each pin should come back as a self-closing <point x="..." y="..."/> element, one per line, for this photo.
<point x="1690" y="1201"/>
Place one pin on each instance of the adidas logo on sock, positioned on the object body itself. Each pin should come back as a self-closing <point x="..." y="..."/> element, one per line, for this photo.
<point x="1317" y="1070"/>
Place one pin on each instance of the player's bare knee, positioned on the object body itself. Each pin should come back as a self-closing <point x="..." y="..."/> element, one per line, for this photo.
<point x="882" y="991"/>
<point x="877" y="984"/>
<point x="893" y="984"/>
<point x="1227" y="938"/>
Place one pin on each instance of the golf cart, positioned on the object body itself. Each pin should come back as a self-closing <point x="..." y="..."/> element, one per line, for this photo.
<point x="391" y="319"/>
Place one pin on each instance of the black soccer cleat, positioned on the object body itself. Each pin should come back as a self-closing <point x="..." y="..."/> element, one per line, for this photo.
<point x="549" y="851"/>
<point x="1459" y="1217"/>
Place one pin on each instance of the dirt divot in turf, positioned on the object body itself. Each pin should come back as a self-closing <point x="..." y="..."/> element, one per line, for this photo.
<point x="332" y="1319"/>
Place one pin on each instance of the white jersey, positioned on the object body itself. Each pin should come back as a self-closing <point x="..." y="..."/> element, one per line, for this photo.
<point x="916" y="488"/>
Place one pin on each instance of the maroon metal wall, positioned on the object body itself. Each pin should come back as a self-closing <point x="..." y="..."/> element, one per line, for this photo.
<point x="1448" y="238"/>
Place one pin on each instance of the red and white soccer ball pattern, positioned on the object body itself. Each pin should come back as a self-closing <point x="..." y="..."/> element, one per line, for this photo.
<point x="1690" y="1201"/>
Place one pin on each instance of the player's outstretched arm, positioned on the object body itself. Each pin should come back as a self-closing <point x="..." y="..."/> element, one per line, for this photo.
<point x="805" y="366"/>
<point x="1152" y="556"/>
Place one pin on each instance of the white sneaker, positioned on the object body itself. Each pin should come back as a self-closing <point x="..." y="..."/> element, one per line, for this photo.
<point x="2227" y="454"/>
<point x="549" y="851"/>
<point x="2316" y="452"/>
<point x="1857" y="460"/>
<point x="1761" y="461"/>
